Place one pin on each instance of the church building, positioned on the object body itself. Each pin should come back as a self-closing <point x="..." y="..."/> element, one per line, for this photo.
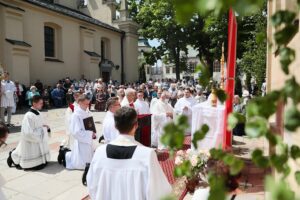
<point x="53" y="39"/>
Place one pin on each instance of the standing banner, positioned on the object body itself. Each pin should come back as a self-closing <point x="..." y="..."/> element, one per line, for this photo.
<point x="229" y="89"/>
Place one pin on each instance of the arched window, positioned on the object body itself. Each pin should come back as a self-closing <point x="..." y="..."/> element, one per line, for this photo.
<point x="49" y="34"/>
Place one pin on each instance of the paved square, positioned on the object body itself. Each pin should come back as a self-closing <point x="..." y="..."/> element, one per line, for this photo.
<point x="54" y="181"/>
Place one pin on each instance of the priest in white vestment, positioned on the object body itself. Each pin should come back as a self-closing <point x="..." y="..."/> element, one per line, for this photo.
<point x="109" y="130"/>
<point x="82" y="152"/>
<point x="130" y="96"/>
<point x="32" y="151"/>
<point x="140" y="105"/>
<point x="124" y="169"/>
<point x="184" y="107"/>
<point x="162" y="113"/>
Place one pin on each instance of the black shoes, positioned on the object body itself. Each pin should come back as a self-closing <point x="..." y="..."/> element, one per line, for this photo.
<point x="101" y="138"/>
<point x="61" y="158"/>
<point x="86" y="170"/>
<point x="10" y="162"/>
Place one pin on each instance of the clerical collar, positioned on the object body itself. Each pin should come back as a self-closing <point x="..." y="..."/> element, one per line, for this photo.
<point x="34" y="111"/>
<point x="124" y="140"/>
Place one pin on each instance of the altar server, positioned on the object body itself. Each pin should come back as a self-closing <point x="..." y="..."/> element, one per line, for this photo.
<point x="32" y="151"/>
<point x="109" y="130"/>
<point x="68" y="142"/>
<point x="82" y="151"/>
<point x="125" y="169"/>
<point x="184" y="106"/>
<point x="162" y="113"/>
<point x="140" y="105"/>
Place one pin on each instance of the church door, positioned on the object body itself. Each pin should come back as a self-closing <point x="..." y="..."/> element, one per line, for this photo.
<point x="105" y="77"/>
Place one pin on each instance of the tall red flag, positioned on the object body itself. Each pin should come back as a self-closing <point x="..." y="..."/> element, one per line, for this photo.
<point x="229" y="89"/>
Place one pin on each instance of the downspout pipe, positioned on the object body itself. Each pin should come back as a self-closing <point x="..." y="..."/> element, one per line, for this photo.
<point x="122" y="58"/>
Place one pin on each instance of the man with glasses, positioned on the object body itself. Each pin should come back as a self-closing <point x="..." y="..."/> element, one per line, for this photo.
<point x="109" y="130"/>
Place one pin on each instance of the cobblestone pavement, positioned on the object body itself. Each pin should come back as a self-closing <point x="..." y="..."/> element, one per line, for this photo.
<point x="53" y="182"/>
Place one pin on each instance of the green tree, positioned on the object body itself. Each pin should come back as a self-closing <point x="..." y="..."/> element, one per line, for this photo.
<point x="157" y="21"/>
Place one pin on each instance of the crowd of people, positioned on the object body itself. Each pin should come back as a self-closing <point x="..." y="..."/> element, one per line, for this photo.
<point x="162" y="99"/>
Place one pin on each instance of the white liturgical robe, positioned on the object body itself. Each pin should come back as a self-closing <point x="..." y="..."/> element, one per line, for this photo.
<point x="158" y="120"/>
<point x="141" y="107"/>
<point x="137" y="177"/>
<point x="33" y="149"/>
<point x="109" y="130"/>
<point x="188" y="103"/>
<point x="82" y="151"/>
<point x="68" y="142"/>
<point x="8" y="89"/>
<point x="2" y="182"/>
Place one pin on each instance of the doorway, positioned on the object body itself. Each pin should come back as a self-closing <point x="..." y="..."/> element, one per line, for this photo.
<point x="106" y="77"/>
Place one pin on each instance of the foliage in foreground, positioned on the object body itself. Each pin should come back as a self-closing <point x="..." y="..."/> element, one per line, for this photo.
<point x="259" y="110"/>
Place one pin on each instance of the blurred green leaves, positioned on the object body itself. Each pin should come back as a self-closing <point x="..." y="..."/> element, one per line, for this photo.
<point x="278" y="190"/>
<point x="287" y="56"/>
<point x="235" y="118"/>
<point x="199" y="135"/>
<point x="259" y="159"/>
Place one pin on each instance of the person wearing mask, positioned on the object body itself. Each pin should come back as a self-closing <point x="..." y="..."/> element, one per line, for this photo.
<point x="8" y="90"/>
<point x="125" y="169"/>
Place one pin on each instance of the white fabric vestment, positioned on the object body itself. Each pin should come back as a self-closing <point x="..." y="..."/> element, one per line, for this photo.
<point x="2" y="182"/>
<point x="33" y="148"/>
<point x="179" y="109"/>
<point x="8" y="88"/>
<point x="109" y="130"/>
<point x="125" y="102"/>
<point x="158" y="120"/>
<point x="68" y="142"/>
<point x="141" y="107"/>
<point x="153" y="101"/>
<point x="137" y="178"/>
<point x="82" y="151"/>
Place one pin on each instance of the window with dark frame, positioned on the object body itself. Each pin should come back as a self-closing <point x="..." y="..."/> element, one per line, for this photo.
<point x="102" y="50"/>
<point x="49" y="34"/>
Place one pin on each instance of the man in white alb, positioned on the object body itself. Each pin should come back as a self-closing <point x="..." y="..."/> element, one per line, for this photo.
<point x="109" y="130"/>
<point x="184" y="106"/>
<point x="162" y="113"/>
<point x="82" y="151"/>
<point x="124" y="169"/>
<point x="140" y="105"/>
<point x="32" y="151"/>
<point x="8" y="90"/>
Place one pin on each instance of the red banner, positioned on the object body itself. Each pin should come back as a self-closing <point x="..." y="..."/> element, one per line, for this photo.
<point x="231" y="63"/>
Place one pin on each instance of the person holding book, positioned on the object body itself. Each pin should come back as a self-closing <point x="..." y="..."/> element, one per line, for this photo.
<point x="83" y="135"/>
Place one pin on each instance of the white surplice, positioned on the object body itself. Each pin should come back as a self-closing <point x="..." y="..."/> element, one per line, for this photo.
<point x="33" y="148"/>
<point x="125" y="102"/>
<point x="109" y="130"/>
<point x="185" y="102"/>
<point x="68" y="142"/>
<point x="141" y="107"/>
<point x="82" y="152"/>
<point x="138" y="178"/>
<point x="158" y="120"/>
<point x="2" y="182"/>
<point x="8" y="88"/>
